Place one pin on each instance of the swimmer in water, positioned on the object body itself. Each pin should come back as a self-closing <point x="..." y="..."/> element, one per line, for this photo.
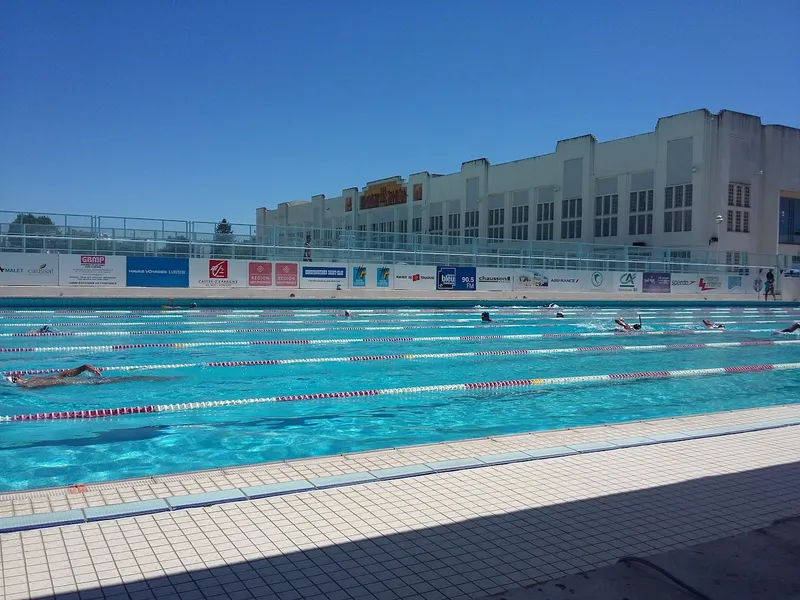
<point x="68" y="377"/>
<point x="485" y="318"/>
<point x="712" y="325"/>
<point x="625" y="326"/>
<point x="42" y="330"/>
<point x="559" y="315"/>
<point x="791" y="329"/>
<point x="347" y="313"/>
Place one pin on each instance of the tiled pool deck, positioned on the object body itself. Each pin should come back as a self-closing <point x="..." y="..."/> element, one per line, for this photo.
<point x="619" y="490"/>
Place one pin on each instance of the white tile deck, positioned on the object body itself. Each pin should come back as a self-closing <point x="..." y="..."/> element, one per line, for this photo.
<point x="102" y="494"/>
<point x="448" y="535"/>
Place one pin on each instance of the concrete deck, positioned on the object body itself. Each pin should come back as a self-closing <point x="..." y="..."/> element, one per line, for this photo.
<point x="467" y="533"/>
<point x="534" y="294"/>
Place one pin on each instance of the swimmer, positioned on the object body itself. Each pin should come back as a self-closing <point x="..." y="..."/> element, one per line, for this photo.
<point x="712" y="325"/>
<point x="68" y="378"/>
<point x="791" y="329"/>
<point x="347" y="313"/>
<point x="42" y="330"/>
<point x="559" y="315"/>
<point x="625" y="326"/>
<point x="486" y="318"/>
<point x="552" y="306"/>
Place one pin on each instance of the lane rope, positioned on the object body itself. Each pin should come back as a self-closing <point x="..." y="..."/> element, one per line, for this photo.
<point x="443" y="355"/>
<point x="444" y="338"/>
<point x="479" y="385"/>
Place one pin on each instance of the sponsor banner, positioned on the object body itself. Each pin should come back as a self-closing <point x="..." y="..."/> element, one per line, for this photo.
<point x="460" y="279"/>
<point x="656" y="283"/>
<point x="625" y="282"/>
<point x="596" y="281"/>
<point x="685" y="283"/>
<point x="410" y="277"/>
<point x="217" y="273"/>
<point x="495" y="279"/>
<point x="323" y="277"/>
<point x="567" y="281"/>
<point x="155" y="271"/>
<point x="716" y="283"/>
<point x="527" y="279"/>
<point x="92" y="270"/>
<point x="259" y="274"/>
<point x="28" y="269"/>
<point x="370" y="276"/>
<point x="287" y="275"/>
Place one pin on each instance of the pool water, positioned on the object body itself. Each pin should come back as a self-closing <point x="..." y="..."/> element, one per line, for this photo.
<point x="50" y="453"/>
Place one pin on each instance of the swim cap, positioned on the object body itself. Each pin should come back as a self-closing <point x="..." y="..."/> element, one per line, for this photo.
<point x="8" y="379"/>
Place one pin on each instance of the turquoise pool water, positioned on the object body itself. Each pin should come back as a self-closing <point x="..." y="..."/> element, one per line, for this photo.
<point x="49" y="453"/>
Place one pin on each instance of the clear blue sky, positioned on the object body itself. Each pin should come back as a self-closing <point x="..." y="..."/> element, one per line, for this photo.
<point x="207" y="109"/>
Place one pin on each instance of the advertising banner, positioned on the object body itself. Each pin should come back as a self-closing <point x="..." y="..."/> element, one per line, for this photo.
<point x="529" y="279"/>
<point x="656" y="283"/>
<point x="370" y="276"/>
<point x="156" y="271"/>
<point x="459" y="279"/>
<point x="217" y="273"/>
<point x="17" y="268"/>
<point x="259" y="274"/>
<point x="323" y="277"/>
<point x="567" y="281"/>
<point x="495" y="279"/>
<point x="287" y="275"/>
<point x="685" y="283"/>
<point x="626" y="282"/>
<point x="411" y="277"/>
<point x="91" y="270"/>
<point x="596" y="281"/>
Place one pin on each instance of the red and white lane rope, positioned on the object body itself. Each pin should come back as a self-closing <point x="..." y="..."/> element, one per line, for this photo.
<point x="440" y="355"/>
<point x="478" y="385"/>
<point x="443" y="338"/>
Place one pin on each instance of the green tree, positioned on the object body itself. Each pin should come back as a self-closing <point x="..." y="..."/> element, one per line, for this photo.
<point x="223" y="236"/>
<point x="34" y="228"/>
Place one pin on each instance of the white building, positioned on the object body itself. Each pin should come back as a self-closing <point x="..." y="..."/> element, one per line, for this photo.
<point x="662" y="189"/>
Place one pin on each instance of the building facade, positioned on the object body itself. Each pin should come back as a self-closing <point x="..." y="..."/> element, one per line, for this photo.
<point x="723" y="182"/>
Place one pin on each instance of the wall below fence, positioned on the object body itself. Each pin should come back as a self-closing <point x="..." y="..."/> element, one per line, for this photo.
<point x="99" y="271"/>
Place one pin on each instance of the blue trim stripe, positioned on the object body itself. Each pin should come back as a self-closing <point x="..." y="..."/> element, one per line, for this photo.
<point x="144" y="507"/>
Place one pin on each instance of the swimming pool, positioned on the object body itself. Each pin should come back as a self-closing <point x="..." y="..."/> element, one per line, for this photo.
<point x="406" y="365"/>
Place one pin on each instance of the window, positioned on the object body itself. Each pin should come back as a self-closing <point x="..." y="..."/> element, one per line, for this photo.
<point x="497" y="217"/>
<point x="387" y="234"/>
<point x="416" y="225"/>
<point x="571" y="215"/>
<point x="454" y="228"/>
<point x="678" y="200"/>
<point x="436" y="229"/>
<point x="605" y="212"/>
<point x="734" y="259"/>
<point x="678" y="259"/>
<point x="519" y="222"/>
<point x="544" y="221"/>
<point x="789" y="224"/>
<point x="640" y="219"/>
<point x="402" y="229"/>
<point x="739" y="216"/>
<point x="471" y="223"/>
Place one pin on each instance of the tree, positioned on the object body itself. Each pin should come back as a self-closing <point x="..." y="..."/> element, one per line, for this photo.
<point x="223" y="236"/>
<point x="32" y="227"/>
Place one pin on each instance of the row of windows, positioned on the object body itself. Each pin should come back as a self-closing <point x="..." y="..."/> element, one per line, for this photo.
<point x="678" y="202"/>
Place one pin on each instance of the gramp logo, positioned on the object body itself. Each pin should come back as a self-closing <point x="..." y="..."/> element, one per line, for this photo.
<point x="447" y="278"/>
<point x="217" y="269"/>
<point x="93" y="260"/>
